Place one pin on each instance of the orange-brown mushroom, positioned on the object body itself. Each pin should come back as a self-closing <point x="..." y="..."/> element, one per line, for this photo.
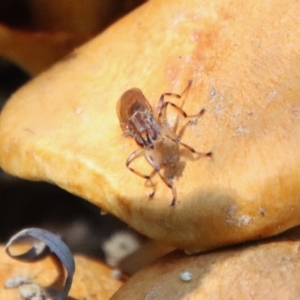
<point x="36" y="51"/>
<point x="244" y="62"/>
<point x="267" y="270"/>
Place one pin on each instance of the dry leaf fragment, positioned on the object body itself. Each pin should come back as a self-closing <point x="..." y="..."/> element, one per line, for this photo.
<point x="42" y="240"/>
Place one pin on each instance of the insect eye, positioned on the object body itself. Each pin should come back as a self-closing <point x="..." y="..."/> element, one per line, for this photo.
<point x="139" y="140"/>
<point x="152" y="134"/>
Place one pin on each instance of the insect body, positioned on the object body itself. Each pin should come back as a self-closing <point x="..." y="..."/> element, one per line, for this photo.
<point x="158" y="143"/>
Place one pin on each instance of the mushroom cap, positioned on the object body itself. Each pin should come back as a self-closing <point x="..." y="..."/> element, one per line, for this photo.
<point x="258" y="270"/>
<point x="36" y="51"/>
<point x="91" y="277"/>
<point x="62" y="127"/>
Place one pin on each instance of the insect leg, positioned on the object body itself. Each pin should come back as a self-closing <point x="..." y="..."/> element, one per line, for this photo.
<point x="171" y="186"/>
<point x="191" y="149"/>
<point x="130" y="159"/>
<point x="134" y="155"/>
<point x="152" y="185"/>
<point x="162" y="112"/>
<point x="157" y="168"/>
<point x="161" y="101"/>
<point x="162" y="108"/>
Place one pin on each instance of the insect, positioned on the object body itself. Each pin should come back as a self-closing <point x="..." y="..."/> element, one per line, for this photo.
<point x="158" y="143"/>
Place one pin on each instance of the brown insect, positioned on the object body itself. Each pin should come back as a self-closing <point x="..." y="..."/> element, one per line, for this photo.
<point x="158" y="143"/>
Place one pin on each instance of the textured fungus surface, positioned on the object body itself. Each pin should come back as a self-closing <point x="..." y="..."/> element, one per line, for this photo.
<point x="62" y="127"/>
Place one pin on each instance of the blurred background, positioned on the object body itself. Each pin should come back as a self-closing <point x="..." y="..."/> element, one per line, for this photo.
<point x="34" y="34"/>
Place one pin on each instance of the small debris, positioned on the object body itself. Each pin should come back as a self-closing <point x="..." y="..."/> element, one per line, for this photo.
<point x="118" y="246"/>
<point x="32" y="291"/>
<point x="78" y="110"/>
<point x="212" y="93"/>
<point x="186" y="276"/>
<point x="27" y="289"/>
<point x="116" y="273"/>
<point x="262" y="211"/>
<point x="17" y="281"/>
